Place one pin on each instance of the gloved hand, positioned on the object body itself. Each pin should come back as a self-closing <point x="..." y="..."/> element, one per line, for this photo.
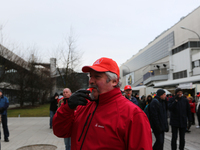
<point x="176" y="97"/>
<point x="78" y="98"/>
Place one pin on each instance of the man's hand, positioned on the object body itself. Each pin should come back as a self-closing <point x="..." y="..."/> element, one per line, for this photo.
<point x="78" y="98"/>
<point x="177" y="98"/>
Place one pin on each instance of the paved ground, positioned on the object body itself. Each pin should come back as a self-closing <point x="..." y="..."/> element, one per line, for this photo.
<point x="30" y="131"/>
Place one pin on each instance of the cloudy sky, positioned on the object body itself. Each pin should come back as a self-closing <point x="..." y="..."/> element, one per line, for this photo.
<point x="116" y="29"/>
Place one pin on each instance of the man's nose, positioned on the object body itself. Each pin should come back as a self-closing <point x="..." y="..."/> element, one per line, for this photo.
<point x="91" y="80"/>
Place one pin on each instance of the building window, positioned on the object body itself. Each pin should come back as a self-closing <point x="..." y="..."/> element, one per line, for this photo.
<point x="185" y="46"/>
<point x="195" y="64"/>
<point x="181" y="74"/>
<point x="194" y="44"/>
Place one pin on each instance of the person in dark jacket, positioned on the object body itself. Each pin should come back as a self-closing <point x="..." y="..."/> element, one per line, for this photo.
<point x="140" y="103"/>
<point x="179" y="113"/>
<point x="148" y="100"/>
<point x="143" y="99"/>
<point x="4" y="103"/>
<point x="128" y="93"/>
<point x="53" y="107"/>
<point x="158" y="119"/>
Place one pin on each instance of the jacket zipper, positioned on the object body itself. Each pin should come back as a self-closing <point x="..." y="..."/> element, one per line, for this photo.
<point x="84" y="127"/>
<point x="89" y="124"/>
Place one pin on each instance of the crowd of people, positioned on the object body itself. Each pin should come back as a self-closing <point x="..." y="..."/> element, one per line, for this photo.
<point x="103" y="117"/>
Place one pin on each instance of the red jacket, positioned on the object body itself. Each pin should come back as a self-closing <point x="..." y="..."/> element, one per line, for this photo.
<point x="116" y="124"/>
<point x="192" y="107"/>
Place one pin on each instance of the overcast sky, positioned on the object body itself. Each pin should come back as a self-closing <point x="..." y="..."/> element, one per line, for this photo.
<point x="116" y="29"/>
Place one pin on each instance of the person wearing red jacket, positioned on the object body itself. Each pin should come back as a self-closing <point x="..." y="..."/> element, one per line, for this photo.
<point x="110" y="122"/>
<point x="192" y="108"/>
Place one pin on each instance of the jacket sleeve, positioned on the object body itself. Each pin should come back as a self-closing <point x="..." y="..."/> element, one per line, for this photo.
<point x="138" y="133"/>
<point x="6" y="103"/>
<point x="63" y="121"/>
<point x="171" y="104"/>
<point x="154" y="107"/>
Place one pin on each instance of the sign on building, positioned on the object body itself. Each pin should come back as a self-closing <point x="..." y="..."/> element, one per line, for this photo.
<point x="130" y="79"/>
<point x="186" y="86"/>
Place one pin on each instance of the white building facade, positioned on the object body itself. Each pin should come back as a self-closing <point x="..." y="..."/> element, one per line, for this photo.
<point x="171" y="60"/>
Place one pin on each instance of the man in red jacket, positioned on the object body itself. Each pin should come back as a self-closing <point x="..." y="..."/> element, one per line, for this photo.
<point x="110" y="122"/>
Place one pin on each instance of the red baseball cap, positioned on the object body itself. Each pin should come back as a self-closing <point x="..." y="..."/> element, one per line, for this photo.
<point x="103" y="65"/>
<point x="127" y="87"/>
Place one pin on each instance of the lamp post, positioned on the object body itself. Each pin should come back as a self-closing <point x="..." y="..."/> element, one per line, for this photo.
<point x="193" y="32"/>
<point x="128" y="68"/>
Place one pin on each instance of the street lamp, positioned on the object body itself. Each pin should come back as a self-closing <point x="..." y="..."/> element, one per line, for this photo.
<point x="191" y="31"/>
<point x="128" y="68"/>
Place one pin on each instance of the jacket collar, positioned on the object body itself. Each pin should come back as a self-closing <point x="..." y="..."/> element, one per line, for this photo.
<point x="109" y="96"/>
<point x="157" y="97"/>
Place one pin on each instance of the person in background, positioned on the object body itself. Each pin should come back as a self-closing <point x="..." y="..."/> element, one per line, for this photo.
<point x="148" y="99"/>
<point x="128" y="93"/>
<point x="168" y="97"/>
<point x="53" y="108"/>
<point x="158" y="115"/>
<point x="192" y="108"/>
<point x="179" y="113"/>
<point x="143" y="99"/>
<point x="198" y="110"/>
<point x="185" y="95"/>
<point x="66" y="94"/>
<point x="4" y="103"/>
<point x="140" y="103"/>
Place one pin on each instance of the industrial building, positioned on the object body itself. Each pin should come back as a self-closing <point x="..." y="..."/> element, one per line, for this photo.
<point x="171" y="60"/>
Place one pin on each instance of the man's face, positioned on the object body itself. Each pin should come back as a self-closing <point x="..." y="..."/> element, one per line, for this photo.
<point x="163" y="96"/>
<point x="1" y="94"/>
<point x="98" y="81"/>
<point x="128" y="92"/>
<point x="56" y="97"/>
<point x="66" y="93"/>
<point x="180" y="93"/>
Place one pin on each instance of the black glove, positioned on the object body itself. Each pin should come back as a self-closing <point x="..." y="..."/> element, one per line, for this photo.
<point x="78" y="98"/>
<point x="176" y="97"/>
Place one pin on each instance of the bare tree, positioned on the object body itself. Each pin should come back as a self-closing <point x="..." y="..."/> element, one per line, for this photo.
<point x="29" y="81"/>
<point x="69" y="58"/>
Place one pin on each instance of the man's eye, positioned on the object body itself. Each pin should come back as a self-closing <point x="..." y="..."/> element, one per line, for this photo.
<point x="97" y="76"/>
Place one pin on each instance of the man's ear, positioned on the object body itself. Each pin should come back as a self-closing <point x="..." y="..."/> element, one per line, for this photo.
<point x="114" y="82"/>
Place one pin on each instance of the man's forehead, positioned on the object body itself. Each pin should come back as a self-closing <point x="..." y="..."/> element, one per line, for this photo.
<point x="66" y="90"/>
<point x="95" y="72"/>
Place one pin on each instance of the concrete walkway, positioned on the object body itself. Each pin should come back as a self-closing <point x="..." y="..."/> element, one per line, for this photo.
<point x="30" y="131"/>
<point x="35" y="130"/>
